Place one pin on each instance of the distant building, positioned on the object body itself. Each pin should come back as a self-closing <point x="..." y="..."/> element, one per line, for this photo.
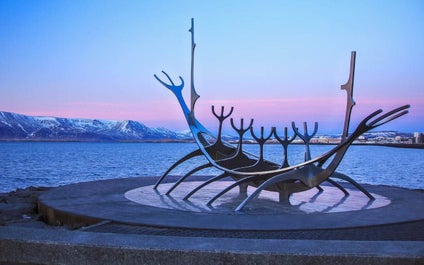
<point x="362" y="138"/>
<point x="418" y="138"/>
<point x="323" y="140"/>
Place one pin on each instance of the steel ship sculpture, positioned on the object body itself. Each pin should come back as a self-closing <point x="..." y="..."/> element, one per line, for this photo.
<point x="247" y="169"/>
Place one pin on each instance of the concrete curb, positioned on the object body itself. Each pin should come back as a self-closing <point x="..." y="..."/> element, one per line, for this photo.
<point x="41" y="246"/>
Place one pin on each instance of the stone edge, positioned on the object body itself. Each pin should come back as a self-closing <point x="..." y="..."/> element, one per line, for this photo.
<point x="40" y="246"/>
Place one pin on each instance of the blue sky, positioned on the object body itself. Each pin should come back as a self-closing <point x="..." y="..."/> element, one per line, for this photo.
<point x="275" y="61"/>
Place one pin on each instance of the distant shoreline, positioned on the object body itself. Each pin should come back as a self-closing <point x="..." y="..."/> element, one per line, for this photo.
<point x="397" y="145"/>
<point x="93" y="141"/>
<point x="415" y="146"/>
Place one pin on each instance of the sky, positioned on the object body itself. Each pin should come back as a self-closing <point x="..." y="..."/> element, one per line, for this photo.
<point x="274" y="61"/>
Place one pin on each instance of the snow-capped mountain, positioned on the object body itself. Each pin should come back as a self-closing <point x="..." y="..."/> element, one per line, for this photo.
<point x="15" y="126"/>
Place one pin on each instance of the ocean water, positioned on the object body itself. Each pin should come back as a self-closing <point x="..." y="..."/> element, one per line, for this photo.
<point x="24" y="164"/>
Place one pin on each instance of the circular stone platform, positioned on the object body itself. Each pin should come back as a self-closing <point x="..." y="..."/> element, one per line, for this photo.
<point x="331" y="200"/>
<point x="133" y="201"/>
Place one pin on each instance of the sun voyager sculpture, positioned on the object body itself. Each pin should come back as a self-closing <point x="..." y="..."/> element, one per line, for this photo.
<point x="249" y="170"/>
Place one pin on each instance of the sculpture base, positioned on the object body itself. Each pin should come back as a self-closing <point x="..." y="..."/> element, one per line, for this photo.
<point x="83" y="204"/>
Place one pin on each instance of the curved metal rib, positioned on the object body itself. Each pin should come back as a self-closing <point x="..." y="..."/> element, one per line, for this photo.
<point x="319" y="189"/>
<point x="187" y="175"/>
<point x="180" y="161"/>
<point x="209" y="181"/>
<point x="227" y="189"/>
<point x="354" y="183"/>
<point x="337" y="185"/>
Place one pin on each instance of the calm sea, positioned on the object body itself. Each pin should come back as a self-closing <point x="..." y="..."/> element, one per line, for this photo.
<point x="52" y="164"/>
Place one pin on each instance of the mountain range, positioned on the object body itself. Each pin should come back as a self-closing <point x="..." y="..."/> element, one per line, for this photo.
<point x="18" y="127"/>
<point x="15" y="126"/>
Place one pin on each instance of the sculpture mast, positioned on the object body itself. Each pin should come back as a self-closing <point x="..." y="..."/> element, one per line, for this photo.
<point x="349" y="90"/>
<point x="194" y="96"/>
